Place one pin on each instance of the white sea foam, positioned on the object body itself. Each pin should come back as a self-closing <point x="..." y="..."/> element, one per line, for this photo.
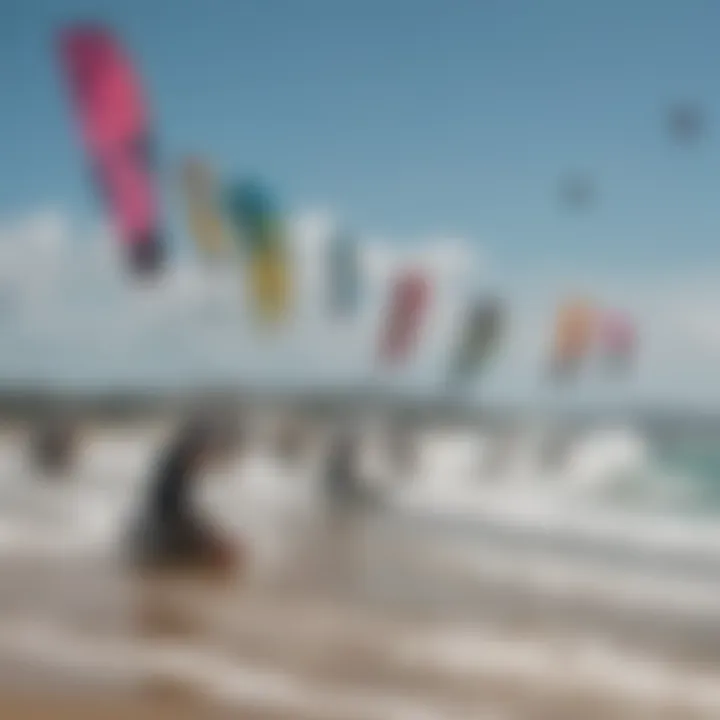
<point x="258" y="494"/>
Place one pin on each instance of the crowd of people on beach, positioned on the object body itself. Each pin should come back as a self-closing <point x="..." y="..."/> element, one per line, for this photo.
<point x="170" y="531"/>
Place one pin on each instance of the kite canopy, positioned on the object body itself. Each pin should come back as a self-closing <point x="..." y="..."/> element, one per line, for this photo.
<point x="577" y="191"/>
<point x="260" y="232"/>
<point x="408" y="305"/>
<point x="343" y="275"/>
<point x="204" y="217"/>
<point x="574" y="331"/>
<point x="617" y="339"/>
<point x="479" y="338"/>
<point x="112" y="116"/>
<point x="686" y="122"/>
<point x="255" y="213"/>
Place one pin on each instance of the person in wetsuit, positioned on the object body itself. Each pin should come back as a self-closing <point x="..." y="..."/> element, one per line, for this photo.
<point x="291" y="442"/>
<point x="345" y="486"/>
<point x="554" y="451"/>
<point x="341" y="483"/>
<point x="52" y="447"/>
<point x="402" y="451"/>
<point x="171" y="532"/>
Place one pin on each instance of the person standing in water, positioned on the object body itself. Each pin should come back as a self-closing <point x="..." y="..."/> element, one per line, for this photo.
<point x="346" y="488"/>
<point x="53" y="445"/>
<point x="341" y="482"/>
<point x="171" y="532"/>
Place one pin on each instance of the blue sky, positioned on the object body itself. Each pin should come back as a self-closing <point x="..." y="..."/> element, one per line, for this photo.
<point x="408" y="116"/>
<point x="410" y="120"/>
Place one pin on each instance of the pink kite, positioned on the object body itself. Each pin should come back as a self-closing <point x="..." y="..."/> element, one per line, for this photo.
<point x="113" y="120"/>
<point x="617" y="338"/>
<point x="408" y="305"/>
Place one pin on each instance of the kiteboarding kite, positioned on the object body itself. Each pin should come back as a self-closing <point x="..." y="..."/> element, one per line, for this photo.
<point x="113" y="119"/>
<point x="577" y="191"/>
<point x="686" y="122"/>
<point x="343" y="276"/>
<point x="204" y="216"/>
<point x="617" y="340"/>
<point x="408" y="305"/>
<point x="574" y="331"/>
<point x="261" y="236"/>
<point x="479" y="338"/>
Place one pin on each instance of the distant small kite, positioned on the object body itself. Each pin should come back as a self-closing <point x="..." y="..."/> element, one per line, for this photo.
<point x="577" y="191"/>
<point x="686" y="122"/>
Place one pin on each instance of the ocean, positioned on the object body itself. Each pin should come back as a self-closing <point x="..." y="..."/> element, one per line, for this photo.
<point x="515" y="583"/>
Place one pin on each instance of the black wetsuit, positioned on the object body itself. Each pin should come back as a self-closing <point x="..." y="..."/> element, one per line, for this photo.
<point x="169" y="531"/>
<point x="339" y="473"/>
<point x="53" y="448"/>
<point x="341" y="479"/>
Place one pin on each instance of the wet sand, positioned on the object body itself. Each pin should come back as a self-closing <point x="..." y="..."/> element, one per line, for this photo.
<point x="356" y="621"/>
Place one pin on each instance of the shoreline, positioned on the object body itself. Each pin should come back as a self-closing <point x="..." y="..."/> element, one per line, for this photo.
<point x="339" y="631"/>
